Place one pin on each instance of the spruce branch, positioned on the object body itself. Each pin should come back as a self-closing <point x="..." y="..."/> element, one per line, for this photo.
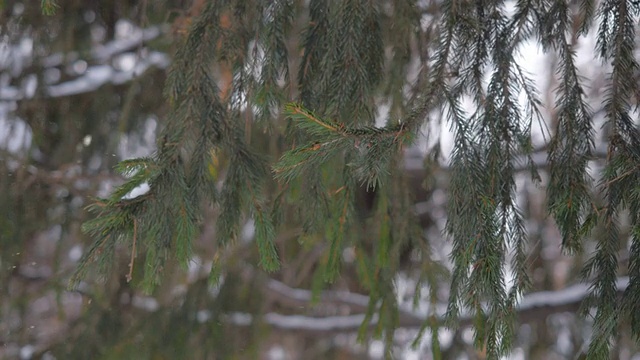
<point x="483" y="217"/>
<point x="49" y="7"/>
<point x="166" y="219"/>
<point x="204" y="156"/>
<point x="265" y="234"/>
<point x="616" y="42"/>
<point x="112" y="224"/>
<point x="336" y="231"/>
<point x="274" y="62"/>
<point x="371" y="163"/>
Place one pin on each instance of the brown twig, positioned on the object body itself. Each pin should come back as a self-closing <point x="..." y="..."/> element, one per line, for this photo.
<point x="133" y="250"/>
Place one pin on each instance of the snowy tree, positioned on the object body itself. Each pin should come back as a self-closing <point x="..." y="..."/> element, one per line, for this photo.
<point x="436" y="179"/>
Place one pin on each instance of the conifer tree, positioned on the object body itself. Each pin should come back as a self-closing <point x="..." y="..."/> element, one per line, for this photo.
<point x="296" y="142"/>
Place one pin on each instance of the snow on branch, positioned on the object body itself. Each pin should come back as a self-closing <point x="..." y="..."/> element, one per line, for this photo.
<point x="98" y="73"/>
<point x="104" y="52"/>
<point x="533" y="306"/>
<point x="328" y="324"/>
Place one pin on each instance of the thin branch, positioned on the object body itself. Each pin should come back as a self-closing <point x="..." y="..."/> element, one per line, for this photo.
<point x="133" y="250"/>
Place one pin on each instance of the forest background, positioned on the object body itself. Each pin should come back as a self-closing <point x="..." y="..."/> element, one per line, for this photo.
<point x="319" y="179"/>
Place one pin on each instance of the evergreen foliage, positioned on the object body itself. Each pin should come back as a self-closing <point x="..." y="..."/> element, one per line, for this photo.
<point x="49" y="7"/>
<point x="320" y="117"/>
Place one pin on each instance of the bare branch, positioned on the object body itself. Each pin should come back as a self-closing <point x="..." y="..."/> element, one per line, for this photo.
<point x="534" y="306"/>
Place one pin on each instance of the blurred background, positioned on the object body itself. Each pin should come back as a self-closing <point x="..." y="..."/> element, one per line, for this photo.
<point x="82" y="90"/>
